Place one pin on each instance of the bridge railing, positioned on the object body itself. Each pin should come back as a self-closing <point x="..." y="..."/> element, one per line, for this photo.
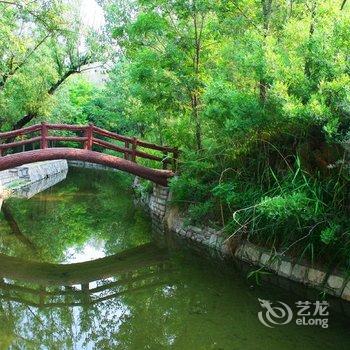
<point x="89" y="136"/>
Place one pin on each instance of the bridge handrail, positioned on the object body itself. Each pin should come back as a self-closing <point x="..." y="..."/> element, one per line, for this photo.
<point x="130" y="149"/>
<point x="19" y="132"/>
<point x="19" y="143"/>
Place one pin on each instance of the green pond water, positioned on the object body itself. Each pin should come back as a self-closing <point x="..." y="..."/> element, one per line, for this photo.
<point x="82" y="270"/>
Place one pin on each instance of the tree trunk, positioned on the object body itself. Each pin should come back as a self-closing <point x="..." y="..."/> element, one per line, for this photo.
<point x="308" y="58"/>
<point x="262" y="89"/>
<point x="59" y="82"/>
<point x="266" y="14"/>
<point x="30" y="116"/>
<point x="23" y="121"/>
<point x="343" y="5"/>
<point x="196" y="117"/>
<point x="195" y="95"/>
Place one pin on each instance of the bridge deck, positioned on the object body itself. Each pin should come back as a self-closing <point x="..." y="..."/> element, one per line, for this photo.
<point x="89" y="136"/>
<point x="156" y="175"/>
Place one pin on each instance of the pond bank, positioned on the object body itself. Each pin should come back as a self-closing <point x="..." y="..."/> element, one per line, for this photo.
<point x="18" y="180"/>
<point x="167" y="219"/>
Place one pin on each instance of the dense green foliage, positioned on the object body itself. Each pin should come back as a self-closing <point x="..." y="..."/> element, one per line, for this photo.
<point x="255" y="93"/>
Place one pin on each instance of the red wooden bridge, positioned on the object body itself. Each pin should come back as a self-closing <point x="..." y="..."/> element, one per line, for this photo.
<point x="44" y="141"/>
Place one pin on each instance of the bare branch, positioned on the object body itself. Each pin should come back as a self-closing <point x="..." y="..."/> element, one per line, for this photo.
<point x="24" y="61"/>
<point x="89" y="68"/>
<point x="9" y="3"/>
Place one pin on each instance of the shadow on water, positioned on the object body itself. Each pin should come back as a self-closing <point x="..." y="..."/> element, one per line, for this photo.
<point x="80" y="269"/>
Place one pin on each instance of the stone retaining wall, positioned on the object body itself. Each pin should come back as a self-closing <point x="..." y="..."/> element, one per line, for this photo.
<point x="9" y="176"/>
<point x="335" y="284"/>
<point x="29" y="190"/>
<point x="165" y="218"/>
<point x="88" y="165"/>
<point x="21" y="177"/>
<point x="156" y="204"/>
<point x="31" y="173"/>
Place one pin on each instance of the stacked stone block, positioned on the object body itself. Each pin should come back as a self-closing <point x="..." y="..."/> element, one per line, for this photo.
<point x="158" y="206"/>
<point x="31" y="173"/>
<point x="88" y="165"/>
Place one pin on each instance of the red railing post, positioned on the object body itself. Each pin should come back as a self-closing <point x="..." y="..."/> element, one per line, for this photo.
<point x="89" y="134"/>
<point x="43" y="141"/>
<point x="134" y="146"/>
<point x="165" y="160"/>
<point x="126" y="154"/>
<point x="24" y="146"/>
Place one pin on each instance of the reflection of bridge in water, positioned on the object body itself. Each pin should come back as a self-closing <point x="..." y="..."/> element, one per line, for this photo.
<point x="60" y="285"/>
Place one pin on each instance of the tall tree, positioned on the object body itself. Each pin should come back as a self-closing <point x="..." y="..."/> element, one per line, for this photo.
<point x="25" y="27"/>
<point x="43" y="44"/>
<point x="175" y="37"/>
<point x="266" y="17"/>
